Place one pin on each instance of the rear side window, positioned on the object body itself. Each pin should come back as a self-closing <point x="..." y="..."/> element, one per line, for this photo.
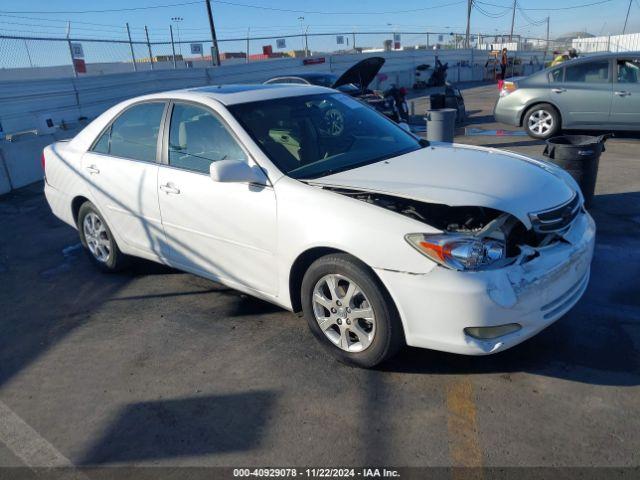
<point x="134" y="134"/>
<point x="591" y="72"/>
<point x="102" y="145"/>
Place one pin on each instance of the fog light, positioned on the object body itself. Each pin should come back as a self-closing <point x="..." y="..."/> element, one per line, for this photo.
<point x="486" y="333"/>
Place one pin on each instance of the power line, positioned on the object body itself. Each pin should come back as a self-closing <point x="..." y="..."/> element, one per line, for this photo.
<point x="77" y="12"/>
<point x="551" y="8"/>
<point x="528" y="18"/>
<point x="93" y="29"/>
<point x="486" y="13"/>
<point x="61" y="21"/>
<point x="245" y="5"/>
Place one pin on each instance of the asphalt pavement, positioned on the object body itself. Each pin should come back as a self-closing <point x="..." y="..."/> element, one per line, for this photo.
<point x="157" y="367"/>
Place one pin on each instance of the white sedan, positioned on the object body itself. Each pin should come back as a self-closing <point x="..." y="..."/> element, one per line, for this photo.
<point x="309" y="199"/>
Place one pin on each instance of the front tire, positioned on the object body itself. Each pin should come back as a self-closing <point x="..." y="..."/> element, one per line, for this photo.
<point x="542" y="121"/>
<point x="350" y="312"/>
<point x="98" y="241"/>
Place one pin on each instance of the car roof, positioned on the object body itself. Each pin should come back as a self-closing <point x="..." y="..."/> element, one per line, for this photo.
<point x="307" y="75"/>
<point x="597" y="56"/>
<point x="243" y="93"/>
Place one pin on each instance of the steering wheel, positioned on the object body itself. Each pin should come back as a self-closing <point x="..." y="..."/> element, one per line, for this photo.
<point x="333" y="122"/>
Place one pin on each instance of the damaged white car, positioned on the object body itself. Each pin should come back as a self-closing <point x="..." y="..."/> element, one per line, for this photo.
<point x="312" y="200"/>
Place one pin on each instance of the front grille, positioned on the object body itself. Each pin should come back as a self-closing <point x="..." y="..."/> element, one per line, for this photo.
<point x="557" y="218"/>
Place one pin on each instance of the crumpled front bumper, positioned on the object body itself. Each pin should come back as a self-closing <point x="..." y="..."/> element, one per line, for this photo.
<point x="436" y="307"/>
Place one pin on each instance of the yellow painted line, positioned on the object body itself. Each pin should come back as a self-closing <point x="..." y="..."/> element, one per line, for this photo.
<point x="462" y="425"/>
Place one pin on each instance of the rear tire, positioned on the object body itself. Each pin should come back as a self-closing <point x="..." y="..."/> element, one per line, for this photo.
<point x="98" y="241"/>
<point x="350" y="312"/>
<point x="542" y="121"/>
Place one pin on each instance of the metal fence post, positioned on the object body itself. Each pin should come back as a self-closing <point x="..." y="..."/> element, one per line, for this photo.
<point x="353" y="37"/>
<point x="133" y="57"/>
<point x="173" y="48"/>
<point x="248" y="35"/>
<point x="73" y="63"/>
<point x="146" y="32"/>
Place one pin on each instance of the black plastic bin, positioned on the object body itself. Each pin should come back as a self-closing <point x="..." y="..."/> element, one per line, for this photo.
<point x="437" y="101"/>
<point x="579" y="155"/>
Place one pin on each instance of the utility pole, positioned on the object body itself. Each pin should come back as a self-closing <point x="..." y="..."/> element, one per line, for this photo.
<point x="513" y="19"/>
<point x="547" y="42"/>
<point x="214" y="41"/>
<point x="627" y="18"/>
<point x="466" y="37"/>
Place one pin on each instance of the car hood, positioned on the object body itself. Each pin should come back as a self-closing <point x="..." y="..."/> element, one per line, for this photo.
<point x="361" y="74"/>
<point x="459" y="175"/>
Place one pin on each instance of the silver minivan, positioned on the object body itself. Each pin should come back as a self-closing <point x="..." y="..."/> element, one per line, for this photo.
<point x="597" y="92"/>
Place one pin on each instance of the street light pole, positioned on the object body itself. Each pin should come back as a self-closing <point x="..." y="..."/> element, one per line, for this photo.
<point x="301" y="19"/>
<point x="215" y="55"/>
<point x="177" y="21"/>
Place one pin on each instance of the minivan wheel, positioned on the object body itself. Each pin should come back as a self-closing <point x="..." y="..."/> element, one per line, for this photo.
<point x="98" y="241"/>
<point x="542" y="121"/>
<point x="350" y="312"/>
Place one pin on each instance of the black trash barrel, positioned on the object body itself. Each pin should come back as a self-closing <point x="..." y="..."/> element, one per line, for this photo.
<point x="579" y="155"/>
<point x="437" y="101"/>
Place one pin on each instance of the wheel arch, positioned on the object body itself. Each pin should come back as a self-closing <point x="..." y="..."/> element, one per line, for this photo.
<point x="76" y="203"/>
<point x="302" y="263"/>
<point x="533" y="104"/>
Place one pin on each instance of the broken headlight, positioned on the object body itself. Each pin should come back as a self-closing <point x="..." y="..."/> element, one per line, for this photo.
<point x="458" y="252"/>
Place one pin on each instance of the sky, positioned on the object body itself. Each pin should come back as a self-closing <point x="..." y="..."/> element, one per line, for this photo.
<point x="234" y="20"/>
<point x="237" y="18"/>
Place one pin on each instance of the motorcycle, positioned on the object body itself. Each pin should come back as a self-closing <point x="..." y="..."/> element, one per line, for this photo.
<point x="395" y="101"/>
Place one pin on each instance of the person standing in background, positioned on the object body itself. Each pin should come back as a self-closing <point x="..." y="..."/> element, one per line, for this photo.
<point x="503" y="63"/>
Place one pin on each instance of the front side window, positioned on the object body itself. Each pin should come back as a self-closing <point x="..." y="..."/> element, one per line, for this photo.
<point x="590" y="72"/>
<point x="628" y="70"/>
<point x="315" y="135"/>
<point x="134" y="134"/>
<point x="555" y="76"/>
<point x="197" y="137"/>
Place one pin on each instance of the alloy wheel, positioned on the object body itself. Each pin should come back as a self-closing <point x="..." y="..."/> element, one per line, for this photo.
<point x="540" y="122"/>
<point x="344" y="313"/>
<point x="97" y="238"/>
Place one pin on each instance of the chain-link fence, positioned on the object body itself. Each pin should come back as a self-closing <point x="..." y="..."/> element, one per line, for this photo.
<point x="25" y="57"/>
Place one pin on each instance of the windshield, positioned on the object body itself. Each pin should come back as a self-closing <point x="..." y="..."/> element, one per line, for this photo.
<point x="316" y="135"/>
<point x="323" y="80"/>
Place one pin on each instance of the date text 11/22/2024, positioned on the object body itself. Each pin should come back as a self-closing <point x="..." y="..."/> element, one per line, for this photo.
<point x="316" y="472"/>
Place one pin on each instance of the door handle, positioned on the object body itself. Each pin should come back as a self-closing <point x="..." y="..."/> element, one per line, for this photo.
<point x="92" y="169"/>
<point x="170" y="188"/>
<point x="558" y="90"/>
<point x="622" y="93"/>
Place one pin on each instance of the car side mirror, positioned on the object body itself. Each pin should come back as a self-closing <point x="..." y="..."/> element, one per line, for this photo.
<point x="236" y="171"/>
